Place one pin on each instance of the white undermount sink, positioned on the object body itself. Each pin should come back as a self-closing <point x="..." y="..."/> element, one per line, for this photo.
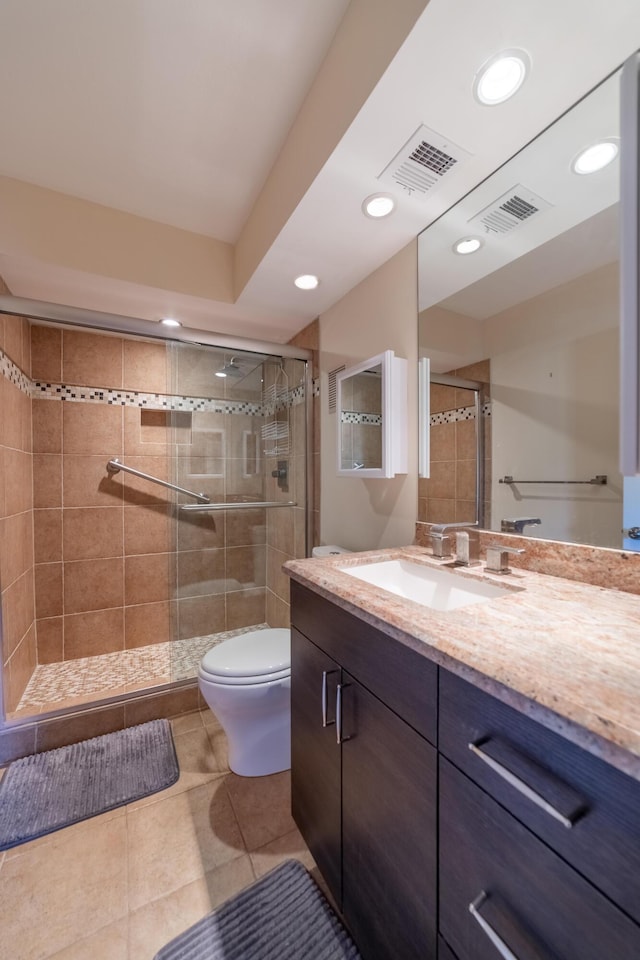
<point x="433" y="587"/>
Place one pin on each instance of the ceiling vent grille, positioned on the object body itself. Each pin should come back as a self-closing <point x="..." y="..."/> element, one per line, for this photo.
<point x="426" y="158"/>
<point x="514" y="207"/>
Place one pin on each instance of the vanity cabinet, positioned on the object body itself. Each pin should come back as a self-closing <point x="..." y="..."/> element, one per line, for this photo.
<point x="366" y="806"/>
<point x="538" y="840"/>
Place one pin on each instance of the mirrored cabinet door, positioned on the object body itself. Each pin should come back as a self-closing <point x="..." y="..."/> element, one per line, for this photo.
<point x="371" y="406"/>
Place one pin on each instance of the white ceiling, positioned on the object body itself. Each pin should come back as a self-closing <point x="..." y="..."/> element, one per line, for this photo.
<point x="176" y="112"/>
<point x="171" y="110"/>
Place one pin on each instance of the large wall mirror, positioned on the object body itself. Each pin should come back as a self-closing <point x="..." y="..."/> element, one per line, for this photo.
<point x="532" y="314"/>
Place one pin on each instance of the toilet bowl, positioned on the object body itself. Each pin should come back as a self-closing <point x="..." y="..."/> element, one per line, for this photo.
<point x="246" y="681"/>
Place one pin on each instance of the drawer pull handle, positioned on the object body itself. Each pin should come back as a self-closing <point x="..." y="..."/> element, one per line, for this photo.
<point x="567" y="819"/>
<point x="339" y="738"/>
<point x="325" y="721"/>
<point x="496" y="939"/>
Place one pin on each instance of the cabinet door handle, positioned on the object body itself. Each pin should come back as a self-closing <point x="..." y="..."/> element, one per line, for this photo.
<point x="339" y="738"/>
<point x="496" y="754"/>
<point x="496" y="939"/>
<point x="325" y="721"/>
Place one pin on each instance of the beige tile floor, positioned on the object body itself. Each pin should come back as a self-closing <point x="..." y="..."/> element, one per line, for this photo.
<point x="121" y="885"/>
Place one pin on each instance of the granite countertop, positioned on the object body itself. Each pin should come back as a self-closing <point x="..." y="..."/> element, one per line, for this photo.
<point x="565" y="653"/>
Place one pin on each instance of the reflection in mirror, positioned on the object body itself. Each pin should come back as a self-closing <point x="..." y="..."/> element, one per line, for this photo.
<point x="361" y="420"/>
<point x="533" y="315"/>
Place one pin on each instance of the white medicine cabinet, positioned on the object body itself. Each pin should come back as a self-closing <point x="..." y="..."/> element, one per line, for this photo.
<point x="371" y="410"/>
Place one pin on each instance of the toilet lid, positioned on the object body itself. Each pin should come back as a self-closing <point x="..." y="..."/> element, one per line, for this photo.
<point x="256" y="656"/>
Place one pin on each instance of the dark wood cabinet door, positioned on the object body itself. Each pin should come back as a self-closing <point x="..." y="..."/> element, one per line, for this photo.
<point x="519" y="889"/>
<point x="389" y="830"/>
<point x="315" y="758"/>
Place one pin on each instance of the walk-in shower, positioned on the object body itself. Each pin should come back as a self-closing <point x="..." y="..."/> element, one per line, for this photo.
<point x="153" y="489"/>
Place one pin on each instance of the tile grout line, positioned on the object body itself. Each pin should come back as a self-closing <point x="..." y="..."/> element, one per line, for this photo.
<point x="236" y="818"/>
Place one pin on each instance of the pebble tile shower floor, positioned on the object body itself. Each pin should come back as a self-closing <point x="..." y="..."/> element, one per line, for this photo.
<point x="56" y="685"/>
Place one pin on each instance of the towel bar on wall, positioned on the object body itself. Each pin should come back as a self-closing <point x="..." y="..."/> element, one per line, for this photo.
<point x="208" y="507"/>
<point x="114" y="466"/>
<point x="599" y="480"/>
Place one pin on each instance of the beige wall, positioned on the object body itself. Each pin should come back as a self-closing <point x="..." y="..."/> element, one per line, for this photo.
<point x="69" y="232"/>
<point x="555" y="382"/>
<point x="16" y="516"/>
<point x="379" y="314"/>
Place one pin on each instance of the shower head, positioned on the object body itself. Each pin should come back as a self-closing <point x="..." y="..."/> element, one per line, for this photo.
<point x="230" y="368"/>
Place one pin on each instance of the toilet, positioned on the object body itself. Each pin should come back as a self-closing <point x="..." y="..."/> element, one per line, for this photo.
<point x="329" y="550"/>
<point x="246" y="681"/>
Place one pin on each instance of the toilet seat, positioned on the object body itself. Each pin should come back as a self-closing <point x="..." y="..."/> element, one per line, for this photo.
<point x="259" y="656"/>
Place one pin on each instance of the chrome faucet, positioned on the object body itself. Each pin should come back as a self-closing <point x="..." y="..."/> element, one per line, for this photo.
<point x="467" y="542"/>
<point x="517" y="524"/>
<point x="498" y="557"/>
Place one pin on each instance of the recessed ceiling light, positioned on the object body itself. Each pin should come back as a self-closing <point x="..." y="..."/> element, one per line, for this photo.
<point x="306" y="282"/>
<point x="378" y="205"/>
<point x="170" y="322"/>
<point x="595" y="157"/>
<point x="501" y="76"/>
<point x="220" y="373"/>
<point x="467" y="245"/>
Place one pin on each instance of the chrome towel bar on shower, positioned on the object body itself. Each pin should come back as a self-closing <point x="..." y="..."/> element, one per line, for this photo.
<point x="207" y="507"/>
<point x="114" y="466"/>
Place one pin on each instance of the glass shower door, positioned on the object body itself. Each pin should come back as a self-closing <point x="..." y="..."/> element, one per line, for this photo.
<point x="239" y="439"/>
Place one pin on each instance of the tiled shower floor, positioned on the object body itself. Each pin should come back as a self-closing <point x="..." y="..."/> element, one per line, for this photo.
<point x="56" y="685"/>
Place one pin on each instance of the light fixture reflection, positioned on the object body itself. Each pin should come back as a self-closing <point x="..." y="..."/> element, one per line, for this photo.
<point x="501" y="76"/>
<point x="595" y="157"/>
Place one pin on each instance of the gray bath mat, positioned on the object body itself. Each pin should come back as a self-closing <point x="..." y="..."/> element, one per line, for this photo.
<point x="283" y="915"/>
<point x="51" y="790"/>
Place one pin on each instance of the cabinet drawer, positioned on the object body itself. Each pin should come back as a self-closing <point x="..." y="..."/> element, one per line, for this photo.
<point x="497" y="878"/>
<point x="522" y="764"/>
<point x="402" y="678"/>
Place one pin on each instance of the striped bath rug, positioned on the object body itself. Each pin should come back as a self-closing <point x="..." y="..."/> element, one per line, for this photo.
<point x="282" y="916"/>
<point x="51" y="790"/>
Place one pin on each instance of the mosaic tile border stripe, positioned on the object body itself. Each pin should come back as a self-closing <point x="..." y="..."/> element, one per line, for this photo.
<point x="42" y="390"/>
<point x="150" y="401"/>
<point x="368" y="419"/>
<point x="14" y="374"/>
<point x="461" y="413"/>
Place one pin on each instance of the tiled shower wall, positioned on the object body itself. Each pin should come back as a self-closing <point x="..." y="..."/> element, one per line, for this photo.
<point x="16" y="514"/>
<point x="112" y="570"/>
<point x="448" y="495"/>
